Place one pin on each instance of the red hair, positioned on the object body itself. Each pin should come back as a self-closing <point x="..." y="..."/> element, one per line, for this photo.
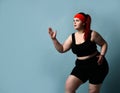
<point x="85" y="18"/>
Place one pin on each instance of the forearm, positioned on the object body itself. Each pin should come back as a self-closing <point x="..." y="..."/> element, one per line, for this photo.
<point x="104" y="49"/>
<point x="58" y="45"/>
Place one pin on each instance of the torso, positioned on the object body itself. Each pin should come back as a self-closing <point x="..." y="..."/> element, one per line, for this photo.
<point x="79" y="38"/>
<point x="83" y="49"/>
<point x="89" y="56"/>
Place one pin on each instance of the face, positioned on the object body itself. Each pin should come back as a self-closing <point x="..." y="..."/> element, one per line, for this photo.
<point x="78" y="24"/>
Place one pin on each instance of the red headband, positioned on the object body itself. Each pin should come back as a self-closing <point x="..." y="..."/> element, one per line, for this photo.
<point x="81" y="17"/>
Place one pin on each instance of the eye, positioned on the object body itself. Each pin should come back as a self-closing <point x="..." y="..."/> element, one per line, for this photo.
<point x="77" y="20"/>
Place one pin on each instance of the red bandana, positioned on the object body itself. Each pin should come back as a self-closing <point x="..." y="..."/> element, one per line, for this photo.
<point x="81" y="17"/>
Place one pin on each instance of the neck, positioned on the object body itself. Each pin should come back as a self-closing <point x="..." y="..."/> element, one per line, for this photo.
<point x="80" y="31"/>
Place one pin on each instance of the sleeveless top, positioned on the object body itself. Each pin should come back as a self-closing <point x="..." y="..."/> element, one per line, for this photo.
<point x="84" y="49"/>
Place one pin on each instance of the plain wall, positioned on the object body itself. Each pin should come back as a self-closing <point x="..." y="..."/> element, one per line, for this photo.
<point x="29" y="62"/>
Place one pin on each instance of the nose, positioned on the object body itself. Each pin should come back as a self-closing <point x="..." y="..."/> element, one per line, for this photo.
<point x="74" y="22"/>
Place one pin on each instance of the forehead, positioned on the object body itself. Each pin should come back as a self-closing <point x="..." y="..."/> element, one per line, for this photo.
<point x="76" y="19"/>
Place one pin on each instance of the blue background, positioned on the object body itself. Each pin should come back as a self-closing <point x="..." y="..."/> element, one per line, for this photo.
<point x="29" y="62"/>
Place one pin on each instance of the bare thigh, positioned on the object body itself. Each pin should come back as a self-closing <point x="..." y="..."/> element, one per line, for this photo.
<point x="72" y="83"/>
<point x="94" y="88"/>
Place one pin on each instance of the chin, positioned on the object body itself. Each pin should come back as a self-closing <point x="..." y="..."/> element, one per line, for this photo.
<point x="76" y="28"/>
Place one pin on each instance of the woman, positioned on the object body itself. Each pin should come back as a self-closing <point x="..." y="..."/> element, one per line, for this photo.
<point x="90" y="64"/>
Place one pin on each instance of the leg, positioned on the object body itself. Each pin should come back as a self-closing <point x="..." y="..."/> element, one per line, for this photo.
<point x="97" y="76"/>
<point x="94" y="88"/>
<point x="72" y="83"/>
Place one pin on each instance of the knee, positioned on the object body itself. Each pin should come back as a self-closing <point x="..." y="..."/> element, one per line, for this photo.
<point x="69" y="88"/>
<point x="72" y="83"/>
<point x="93" y="91"/>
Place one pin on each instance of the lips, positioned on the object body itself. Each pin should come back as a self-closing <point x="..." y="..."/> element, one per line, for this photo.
<point x="75" y="25"/>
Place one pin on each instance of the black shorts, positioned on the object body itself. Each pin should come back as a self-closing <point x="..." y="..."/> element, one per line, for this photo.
<point x="90" y="70"/>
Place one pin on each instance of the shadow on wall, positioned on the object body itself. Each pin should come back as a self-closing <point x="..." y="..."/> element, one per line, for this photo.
<point x="113" y="82"/>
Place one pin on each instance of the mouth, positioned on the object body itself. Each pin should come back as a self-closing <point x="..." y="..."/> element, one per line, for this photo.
<point x="75" y="25"/>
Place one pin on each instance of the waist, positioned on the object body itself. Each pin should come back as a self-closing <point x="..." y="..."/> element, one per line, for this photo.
<point x="87" y="57"/>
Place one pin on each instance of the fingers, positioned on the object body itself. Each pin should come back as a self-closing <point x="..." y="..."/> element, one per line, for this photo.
<point x="50" y="30"/>
<point x="52" y="33"/>
<point x="100" y="59"/>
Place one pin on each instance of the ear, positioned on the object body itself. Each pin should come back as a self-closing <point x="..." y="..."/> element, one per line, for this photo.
<point x="84" y="24"/>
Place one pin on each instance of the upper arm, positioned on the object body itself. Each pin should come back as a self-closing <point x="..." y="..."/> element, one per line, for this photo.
<point x="98" y="39"/>
<point x="67" y="44"/>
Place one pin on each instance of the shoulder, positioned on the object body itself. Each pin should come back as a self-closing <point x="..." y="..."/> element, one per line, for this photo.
<point x="95" y="34"/>
<point x="70" y="37"/>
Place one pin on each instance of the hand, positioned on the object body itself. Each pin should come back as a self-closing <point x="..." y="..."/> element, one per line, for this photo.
<point x="100" y="59"/>
<point x="52" y="33"/>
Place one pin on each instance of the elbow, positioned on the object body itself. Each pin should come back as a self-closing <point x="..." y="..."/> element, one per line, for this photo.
<point x="61" y="51"/>
<point x="104" y="44"/>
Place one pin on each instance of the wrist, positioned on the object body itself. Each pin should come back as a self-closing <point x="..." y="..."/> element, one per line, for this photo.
<point x="101" y="54"/>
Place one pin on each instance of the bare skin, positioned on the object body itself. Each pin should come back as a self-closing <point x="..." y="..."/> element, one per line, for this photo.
<point x="72" y="82"/>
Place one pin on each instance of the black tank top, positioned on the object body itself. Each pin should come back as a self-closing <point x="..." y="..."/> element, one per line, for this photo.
<point x="84" y="49"/>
